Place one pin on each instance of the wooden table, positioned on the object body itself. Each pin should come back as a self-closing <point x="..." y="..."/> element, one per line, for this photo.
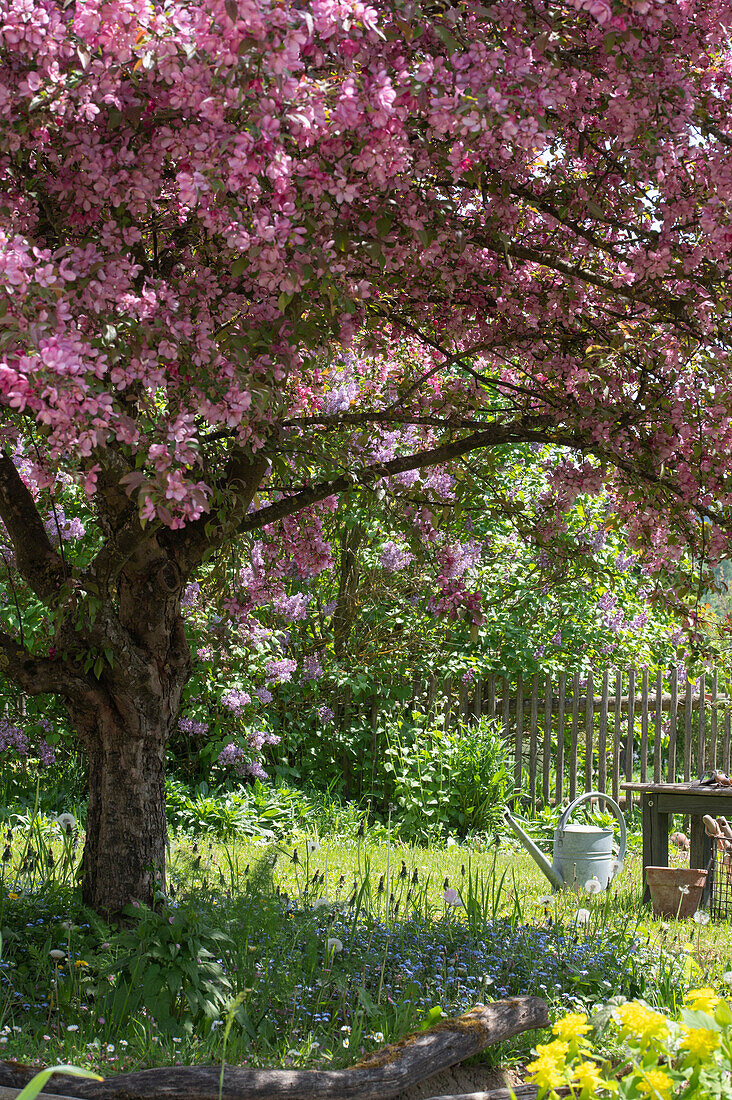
<point x="659" y="800"/>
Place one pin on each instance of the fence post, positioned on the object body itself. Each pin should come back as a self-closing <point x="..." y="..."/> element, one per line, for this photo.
<point x="534" y="738"/>
<point x="589" y="730"/>
<point x="644" y="728"/>
<point x="713" y="724"/>
<point x="688" y="704"/>
<point x="616" y="734"/>
<point x="547" y="750"/>
<point x="630" y="740"/>
<point x="519" y="751"/>
<point x="559" y="785"/>
<point x="701" y="757"/>
<point x="491" y="693"/>
<point x="657" y="728"/>
<point x="671" y="773"/>
<point x="602" y="735"/>
<point x="573" y="745"/>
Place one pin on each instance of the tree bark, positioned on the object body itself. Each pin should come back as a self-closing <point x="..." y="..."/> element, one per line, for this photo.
<point x="124" y="852"/>
<point x="380" y="1075"/>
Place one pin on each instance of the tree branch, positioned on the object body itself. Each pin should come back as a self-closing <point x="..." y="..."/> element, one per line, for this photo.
<point x="38" y="675"/>
<point x="38" y="563"/>
<point x="495" y="436"/>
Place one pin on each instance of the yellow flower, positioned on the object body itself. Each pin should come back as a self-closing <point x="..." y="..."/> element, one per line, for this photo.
<point x="572" y="1026"/>
<point x="700" y="1042"/>
<point x="702" y="1000"/>
<point x="641" y="1024"/>
<point x="655" y="1084"/>
<point x="549" y="1070"/>
<point x="13" y="897"/>
<point x="81" y="962"/>
<point x="587" y="1075"/>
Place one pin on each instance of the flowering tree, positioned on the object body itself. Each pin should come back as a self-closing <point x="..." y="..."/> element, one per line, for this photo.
<point x="513" y="217"/>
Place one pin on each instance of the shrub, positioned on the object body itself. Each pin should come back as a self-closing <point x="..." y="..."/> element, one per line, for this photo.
<point x="447" y="781"/>
<point x="690" y="1056"/>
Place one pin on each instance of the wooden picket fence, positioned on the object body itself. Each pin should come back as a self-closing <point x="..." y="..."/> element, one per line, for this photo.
<point x="579" y="733"/>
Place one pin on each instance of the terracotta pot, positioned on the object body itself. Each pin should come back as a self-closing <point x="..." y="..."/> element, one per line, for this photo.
<point x="665" y="884"/>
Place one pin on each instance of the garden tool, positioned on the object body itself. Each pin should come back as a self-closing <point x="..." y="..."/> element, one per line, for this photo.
<point x="582" y="853"/>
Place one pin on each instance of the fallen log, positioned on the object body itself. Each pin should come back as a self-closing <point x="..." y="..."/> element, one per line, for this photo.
<point x="378" y="1076"/>
<point x="519" y="1092"/>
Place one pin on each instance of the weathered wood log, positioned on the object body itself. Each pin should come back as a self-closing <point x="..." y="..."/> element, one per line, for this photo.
<point x="380" y="1075"/>
<point x="519" y="1092"/>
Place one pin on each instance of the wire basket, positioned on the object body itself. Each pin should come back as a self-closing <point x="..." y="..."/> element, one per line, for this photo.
<point x="720" y="898"/>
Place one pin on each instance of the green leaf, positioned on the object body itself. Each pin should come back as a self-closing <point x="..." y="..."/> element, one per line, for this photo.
<point x="33" y="1087"/>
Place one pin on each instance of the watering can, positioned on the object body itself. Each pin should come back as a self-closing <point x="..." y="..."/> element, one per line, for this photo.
<point x="581" y="852"/>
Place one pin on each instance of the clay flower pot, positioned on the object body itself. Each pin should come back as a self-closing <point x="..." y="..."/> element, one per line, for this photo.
<point x="675" y="891"/>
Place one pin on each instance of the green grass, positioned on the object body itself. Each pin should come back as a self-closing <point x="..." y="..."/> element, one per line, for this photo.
<point x="247" y="935"/>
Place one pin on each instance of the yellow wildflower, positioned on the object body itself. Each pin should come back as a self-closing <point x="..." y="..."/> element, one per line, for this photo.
<point x="655" y="1084"/>
<point x="700" y="1042"/>
<point x="641" y="1024"/>
<point x="587" y="1075"/>
<point x="81" y="962"/>
<point x="572" y="1026"/>
<point x="549" y="1070"/>
<point x="702" y="1000"/>
<point x="13" y="897"/>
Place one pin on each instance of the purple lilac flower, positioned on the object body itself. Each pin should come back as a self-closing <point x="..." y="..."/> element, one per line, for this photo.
<point x="195" y="729"/>
<point x="639" y="621"/>
<point x="557" y="639"/>
<point x="468" y="676"/>
<point x="280" y="671"/>
<point x="205" y="653"/>
<point x="70" y="527"/>
<point x="539" y="652"/>
<point x="263" y="695"/>
<point x="293" y="608"/>
<point x="325" y="714"/>
<point x="394" y="557"/>
<point x="232" y="756"/>
<point x="12" y="737"/>
<point x="190" y="595"/>
<point x="46" y="755"/>
<point x="330" y="607"/>
<point x="312" y="669"/>
<point x="236" y="700"/>
<point x="340" y="399"/>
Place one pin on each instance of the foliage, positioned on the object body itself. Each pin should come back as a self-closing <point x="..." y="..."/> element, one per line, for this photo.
<point x="170" y="962"/>
<point x="451" y="781"/>
<point x="689" y="1056"/>
<point x="251" y="266"/>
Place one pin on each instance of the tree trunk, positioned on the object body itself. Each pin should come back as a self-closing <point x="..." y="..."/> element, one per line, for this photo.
<point x="124" y="854"/>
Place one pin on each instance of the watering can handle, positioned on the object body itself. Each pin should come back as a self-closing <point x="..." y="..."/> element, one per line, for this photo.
<point x="618" y="813"/>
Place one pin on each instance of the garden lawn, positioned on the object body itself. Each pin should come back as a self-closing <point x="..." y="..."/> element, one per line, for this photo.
<point x="316" y="948"/>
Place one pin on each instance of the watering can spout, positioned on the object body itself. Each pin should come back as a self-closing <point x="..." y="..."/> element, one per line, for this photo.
<point x="539" y="858"/>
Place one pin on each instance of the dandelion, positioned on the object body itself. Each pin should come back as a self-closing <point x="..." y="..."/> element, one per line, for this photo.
<point x="12" y="896"/>
<point x="57" y="953"/>
<point x="727" y="977"/>
<point x="312" y="847"/>
<point x="583" y="916"/>
<point x="545" y="899"/>
<point x="321" y="903"/>
<point x="81" y="962"/>
<point x="683" y="890"/>
<point x="67" y="823"/>
<point x="452" y="898"/>
<point x="593" y="886"/>
<point x="334" y="946"/>
<point x="701" y="917"/>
